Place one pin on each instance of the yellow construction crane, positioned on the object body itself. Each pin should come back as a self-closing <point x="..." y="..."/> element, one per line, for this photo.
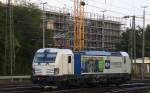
<point x="82" y="3"/>
<point x="78" y="14"/>
<point x="75" y="15"/>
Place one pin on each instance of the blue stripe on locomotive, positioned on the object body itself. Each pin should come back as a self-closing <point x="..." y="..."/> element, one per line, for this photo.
<point x="77" y="63"/>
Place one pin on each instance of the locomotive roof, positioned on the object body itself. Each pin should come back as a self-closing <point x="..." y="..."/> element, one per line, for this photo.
<point x="66" y="51"/>
<point x="88" y="53"/>
<point x="104" y="53"/>
<point x="96" y="53"/>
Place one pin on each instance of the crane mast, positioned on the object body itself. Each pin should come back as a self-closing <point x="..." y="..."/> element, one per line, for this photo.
<point x="82" y="3"/>
<point x="75" y="46"/>
<point x="78" y="14"/>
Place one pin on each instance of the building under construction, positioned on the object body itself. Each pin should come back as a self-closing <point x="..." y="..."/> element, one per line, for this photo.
<point x="100" y="32"/>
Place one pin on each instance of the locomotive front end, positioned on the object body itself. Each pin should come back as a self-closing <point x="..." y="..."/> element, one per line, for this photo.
<point x="43" y="67"/>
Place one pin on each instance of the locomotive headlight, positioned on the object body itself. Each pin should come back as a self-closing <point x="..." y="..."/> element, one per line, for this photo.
<point x="56" y="71"/>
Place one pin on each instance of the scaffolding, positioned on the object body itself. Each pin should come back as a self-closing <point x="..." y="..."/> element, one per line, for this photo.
<point x="97" y="30"/>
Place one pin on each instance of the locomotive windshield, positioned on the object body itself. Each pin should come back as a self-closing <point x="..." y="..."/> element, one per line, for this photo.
<point x="45" y="57"/>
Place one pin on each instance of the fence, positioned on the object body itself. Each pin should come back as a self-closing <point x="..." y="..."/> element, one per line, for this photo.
<point x="12" y="78"/>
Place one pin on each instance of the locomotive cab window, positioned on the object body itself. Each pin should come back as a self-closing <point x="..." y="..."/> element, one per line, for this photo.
<point x="45" y="57"/>
<point x="69" y="59"/>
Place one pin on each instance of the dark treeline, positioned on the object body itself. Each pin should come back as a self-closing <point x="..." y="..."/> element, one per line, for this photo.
<point x="125" y="43"/>
<point x="26" y="24"/>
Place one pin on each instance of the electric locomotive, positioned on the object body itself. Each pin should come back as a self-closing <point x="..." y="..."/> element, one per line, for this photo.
<point x="53" y="66"/>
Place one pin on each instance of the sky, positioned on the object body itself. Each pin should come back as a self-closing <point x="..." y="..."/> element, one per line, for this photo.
<point x="116" y="8"/>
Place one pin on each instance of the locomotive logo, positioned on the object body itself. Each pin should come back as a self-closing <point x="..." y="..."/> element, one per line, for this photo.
<point x="107" y="64"/>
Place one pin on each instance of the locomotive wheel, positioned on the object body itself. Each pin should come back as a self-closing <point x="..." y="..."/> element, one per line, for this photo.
<point x="63" y="85"/>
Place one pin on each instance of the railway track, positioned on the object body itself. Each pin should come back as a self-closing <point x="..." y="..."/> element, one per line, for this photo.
<point x="126" y="88"/>
<point x="20" y="88"/>
<point x="32" y="88"/>
<point x="130" y="88"/>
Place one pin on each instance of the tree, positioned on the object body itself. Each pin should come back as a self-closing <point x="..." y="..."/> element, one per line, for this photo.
<point x="28" y="37"/>
<point x="27" y="22"/>
<point x="124" y="44"/>
<point x="147" y="41"/>
<point x="2" y="37"/>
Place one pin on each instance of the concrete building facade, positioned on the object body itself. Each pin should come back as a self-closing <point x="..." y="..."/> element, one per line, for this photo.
<point x="97" y="31"/>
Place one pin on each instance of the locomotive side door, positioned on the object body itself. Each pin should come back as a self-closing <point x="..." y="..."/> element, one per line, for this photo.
<point x="69" y="64"/>
<point x="67" y="60"/>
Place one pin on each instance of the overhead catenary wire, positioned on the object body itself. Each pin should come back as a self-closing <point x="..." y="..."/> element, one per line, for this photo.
<point x="112" y="5"/>
<point x="137" y="16"/>
<point x="113" y="11"/>
<point x="90" y="5"/>
<point x="130" y="5"/>
<point x="107" y="9"/>
<point x="107" y="3"/>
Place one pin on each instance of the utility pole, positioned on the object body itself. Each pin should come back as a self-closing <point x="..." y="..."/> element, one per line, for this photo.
<point x="67" y="29"/>
<point x="131" y="47"/>
<point x="131" y="43"/>
<point x="134" y="38"/>
<point x="143" y="43"/>
<point x="44" y="17"/>
<point x="11" y="37"/>
<point x="103" y="28"/>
